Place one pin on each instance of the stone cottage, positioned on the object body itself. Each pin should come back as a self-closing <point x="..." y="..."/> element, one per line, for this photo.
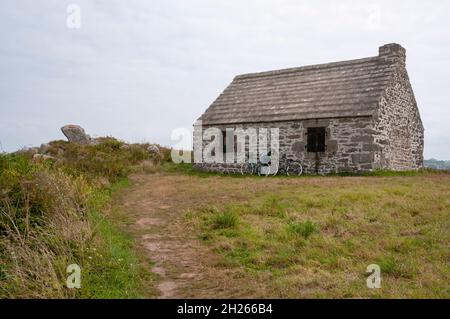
<point x="349" y="116"/>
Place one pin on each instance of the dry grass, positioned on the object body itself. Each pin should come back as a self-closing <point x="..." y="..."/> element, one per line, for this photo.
<point x="315" y="236"/>
<point x="109" y="158"/>
<point x="51" y="216"/>
<point x="47" y="231"/>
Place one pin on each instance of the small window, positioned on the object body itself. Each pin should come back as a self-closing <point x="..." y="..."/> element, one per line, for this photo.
<point x="316" y="139"/>
<point x="224" y="142"/>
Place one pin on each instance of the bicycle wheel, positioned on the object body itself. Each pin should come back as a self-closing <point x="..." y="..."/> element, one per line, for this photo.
<point x="300" y="171"/>
<point x="296" y="169"/>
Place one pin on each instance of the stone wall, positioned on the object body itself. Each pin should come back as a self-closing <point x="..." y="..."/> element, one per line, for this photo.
<point x="390" y="139"/>
<point x="399" y="137"/>
<point x="349" y="145"/>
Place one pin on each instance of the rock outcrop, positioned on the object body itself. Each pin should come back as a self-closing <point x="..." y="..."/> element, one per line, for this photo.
<point x="76" y="134"/>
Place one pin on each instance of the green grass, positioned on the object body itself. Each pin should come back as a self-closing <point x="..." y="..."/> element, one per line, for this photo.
<point x="189" y="169"/>
<point x="185" y="169"/>
<point x="223" y="220"/>
<point x="52" y="215"/>
<point x="314" y="237"/>
<point x="110" y="158"/>
<point x="296" y="236"/>
<point x="304" y="229"/>
<point x="113" y="268"/>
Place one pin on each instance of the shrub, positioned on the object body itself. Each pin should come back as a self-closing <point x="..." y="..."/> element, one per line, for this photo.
<point x="50" y="218"/>
<point x="108" y="157"/>
<point x="43" y="230"/>
<point x="272" y="206"/>
<point x="166" y="154"/>
<point x="224" y="220"/>
<point x="304" y="229"/>
<point x="392" y="266"/>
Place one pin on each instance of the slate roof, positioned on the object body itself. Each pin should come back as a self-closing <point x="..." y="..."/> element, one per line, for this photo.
<point x="339" y="89"/>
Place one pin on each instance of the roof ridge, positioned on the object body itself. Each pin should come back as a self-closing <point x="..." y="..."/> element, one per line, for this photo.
<point x="305" y="68"/>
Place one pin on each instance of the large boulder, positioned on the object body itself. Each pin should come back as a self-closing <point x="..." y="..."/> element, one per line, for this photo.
<point x="76" y="134"/>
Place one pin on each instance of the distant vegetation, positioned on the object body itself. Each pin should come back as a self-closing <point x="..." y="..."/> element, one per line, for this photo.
<point x="436" y="164"/>
<point x="52" y="215"/>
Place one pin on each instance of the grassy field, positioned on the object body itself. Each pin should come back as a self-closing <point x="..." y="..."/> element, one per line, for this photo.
<point x="54" y="212"/>
<point x="315" y="236"/>
<point x="171" y="231"/>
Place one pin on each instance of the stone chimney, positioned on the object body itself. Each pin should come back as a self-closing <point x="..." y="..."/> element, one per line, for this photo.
<point x="392" y="53"/>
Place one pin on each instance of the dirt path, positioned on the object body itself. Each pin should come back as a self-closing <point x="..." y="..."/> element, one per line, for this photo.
<point x="155" y="206"/>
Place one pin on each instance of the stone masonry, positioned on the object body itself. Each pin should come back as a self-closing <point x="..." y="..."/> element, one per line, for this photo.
<point x="388" y="136"/>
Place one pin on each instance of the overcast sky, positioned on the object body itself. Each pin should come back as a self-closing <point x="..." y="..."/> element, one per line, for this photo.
<point x="137" y="70"/>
